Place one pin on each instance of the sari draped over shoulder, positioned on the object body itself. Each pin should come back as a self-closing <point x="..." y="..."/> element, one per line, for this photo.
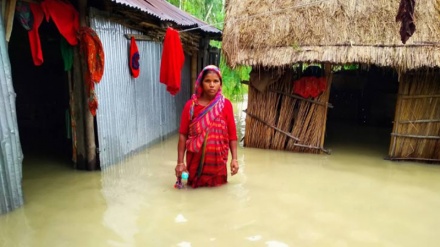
<point x="207" y="144"/>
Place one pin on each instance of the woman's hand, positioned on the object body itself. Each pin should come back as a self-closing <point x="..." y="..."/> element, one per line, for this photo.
<point x="180" y="167"/>
<point x="234" y="167"/>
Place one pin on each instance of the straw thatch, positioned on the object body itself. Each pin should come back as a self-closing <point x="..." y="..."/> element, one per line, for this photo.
<point x="277" y="119"/>
<point x="274" y="33"/>
<point x="416" y="132"/>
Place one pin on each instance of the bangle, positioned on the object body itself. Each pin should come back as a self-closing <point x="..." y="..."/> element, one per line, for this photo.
<point x="182" y="163"/>
<point x="234" y="159"/>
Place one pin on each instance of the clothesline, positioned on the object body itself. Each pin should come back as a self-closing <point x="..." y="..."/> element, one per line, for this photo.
<point x="259" y="14"/>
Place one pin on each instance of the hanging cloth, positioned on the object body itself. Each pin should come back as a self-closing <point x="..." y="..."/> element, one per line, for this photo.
<point x="67" y="54"/>
<point x="65" y="16"/>
<point x="405" y="14"/>
<point x="309" y="86"/>
<point x="34" y="36"/>
<point x="24" y="15"/>
<point x="172" y="61"/>
<point x="91" y="47"/>
<point x="134" y="58"/>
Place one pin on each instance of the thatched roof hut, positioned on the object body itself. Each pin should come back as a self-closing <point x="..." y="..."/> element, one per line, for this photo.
<point x="272" y="36"/>
<point x="276" y="33"/>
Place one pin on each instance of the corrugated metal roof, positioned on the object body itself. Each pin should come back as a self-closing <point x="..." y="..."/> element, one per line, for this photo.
<point x="168" y="12"/>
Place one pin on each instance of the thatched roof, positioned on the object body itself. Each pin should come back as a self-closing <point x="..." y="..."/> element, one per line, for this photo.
<point x="280" y="32"/>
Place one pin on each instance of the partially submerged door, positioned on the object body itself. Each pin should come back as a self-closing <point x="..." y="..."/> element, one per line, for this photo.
<point x="416" y="132"/>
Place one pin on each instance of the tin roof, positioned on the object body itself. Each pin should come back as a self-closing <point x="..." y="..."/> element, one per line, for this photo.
<point x="168" y="12"/>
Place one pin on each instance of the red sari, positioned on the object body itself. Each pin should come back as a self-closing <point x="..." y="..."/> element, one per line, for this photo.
<point x="212" y="171"/>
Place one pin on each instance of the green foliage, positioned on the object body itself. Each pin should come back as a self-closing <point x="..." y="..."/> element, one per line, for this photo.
<point x="346" y="67"/>
<point x="232" y="87"/>
<point x="212" y="12"/>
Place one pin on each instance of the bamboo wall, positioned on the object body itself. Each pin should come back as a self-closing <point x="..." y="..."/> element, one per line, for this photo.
<point x="416" y="132"/>
<point x="277" y="120"/>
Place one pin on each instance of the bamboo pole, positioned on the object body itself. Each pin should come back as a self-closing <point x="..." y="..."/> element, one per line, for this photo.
<point x="273" y="127"/>
<point x="396" y="117"/>
<point x="421" y="121"/>
<point x="302" y="98"/>
<point x="329" y="77"/>
<point x="420" y="96"/>
<point x="286" y="111"/>
<point x="414" y="158"/>
<point x="415" y="136"/>
<point x="289" y="135"/>
<point x="429" y="128"/>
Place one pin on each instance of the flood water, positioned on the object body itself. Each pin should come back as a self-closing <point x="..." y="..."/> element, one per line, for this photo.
<point x="352" y="197"/>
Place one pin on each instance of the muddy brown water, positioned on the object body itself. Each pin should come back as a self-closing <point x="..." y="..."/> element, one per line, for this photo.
<point x="350" y="198"/>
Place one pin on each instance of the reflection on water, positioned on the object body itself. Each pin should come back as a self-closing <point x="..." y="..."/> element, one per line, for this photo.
<point x="350" y="198"/>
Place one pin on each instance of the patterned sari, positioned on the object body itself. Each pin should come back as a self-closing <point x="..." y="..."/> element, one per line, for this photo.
<point x="208" y="142"/>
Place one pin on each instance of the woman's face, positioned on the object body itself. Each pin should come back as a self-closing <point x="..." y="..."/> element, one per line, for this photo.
<point x="211" y="84"/>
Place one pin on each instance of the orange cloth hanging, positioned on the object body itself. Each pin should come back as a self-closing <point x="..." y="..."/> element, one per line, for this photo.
<point x="94" y="54"/>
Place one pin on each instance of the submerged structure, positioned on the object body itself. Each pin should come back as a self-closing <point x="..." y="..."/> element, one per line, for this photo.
<point x="396" y="68"/>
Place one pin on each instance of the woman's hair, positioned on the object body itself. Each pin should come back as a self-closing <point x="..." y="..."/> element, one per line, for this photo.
<point x="211" y="71"/>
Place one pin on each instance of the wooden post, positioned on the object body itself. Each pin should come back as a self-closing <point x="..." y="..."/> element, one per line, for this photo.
<point x="193" y="70"/>
<point x="328" y="77"/>
<point x="397" y="112"/>
<point x="80" y="107"/>
<point x="9" y="18"/>
<point x="88" y="118"/>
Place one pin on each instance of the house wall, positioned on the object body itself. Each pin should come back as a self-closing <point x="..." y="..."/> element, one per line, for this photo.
<point x="11" y="156"/>
<point x="416" y="130"/>
<point x="133" y="113"/>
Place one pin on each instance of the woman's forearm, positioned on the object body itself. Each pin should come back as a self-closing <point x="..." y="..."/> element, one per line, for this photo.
<point x="181" y="147"/>
<point x="233" y="147"/>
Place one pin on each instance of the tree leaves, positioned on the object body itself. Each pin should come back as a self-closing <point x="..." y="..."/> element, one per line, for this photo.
<point x="212" y="12"/>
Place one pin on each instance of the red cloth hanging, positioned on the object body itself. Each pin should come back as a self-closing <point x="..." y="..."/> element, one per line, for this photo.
<point x="65" y="16"/>
<point x="134" y="58"/>
<point x="94" y="53"/>
<point x="309" y="86"/>
<point x="34" y="36"/>
<point x="172" y="61"/>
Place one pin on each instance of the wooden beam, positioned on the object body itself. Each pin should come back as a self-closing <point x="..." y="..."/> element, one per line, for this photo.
<point x="288" y="135"/>
<point x="9" y="18"/>
<point x="412" y="158"/>
<point x="273" y="127"/>
<point x="416" y="136"/>
<point x="421" y="121"/>
<point x="420" y="96"/>
<point x="302" y="98"/>
<point x="139" y="37"/>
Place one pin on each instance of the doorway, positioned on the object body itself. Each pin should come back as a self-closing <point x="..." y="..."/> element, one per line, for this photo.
<point x="42" y="100"/>
<point x="364" y="105"/>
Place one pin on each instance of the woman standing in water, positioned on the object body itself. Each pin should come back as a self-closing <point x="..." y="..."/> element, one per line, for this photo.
<point x="207" y="133"/>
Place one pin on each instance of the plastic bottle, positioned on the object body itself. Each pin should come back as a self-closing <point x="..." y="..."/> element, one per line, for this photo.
<point x="179" y="183"/>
